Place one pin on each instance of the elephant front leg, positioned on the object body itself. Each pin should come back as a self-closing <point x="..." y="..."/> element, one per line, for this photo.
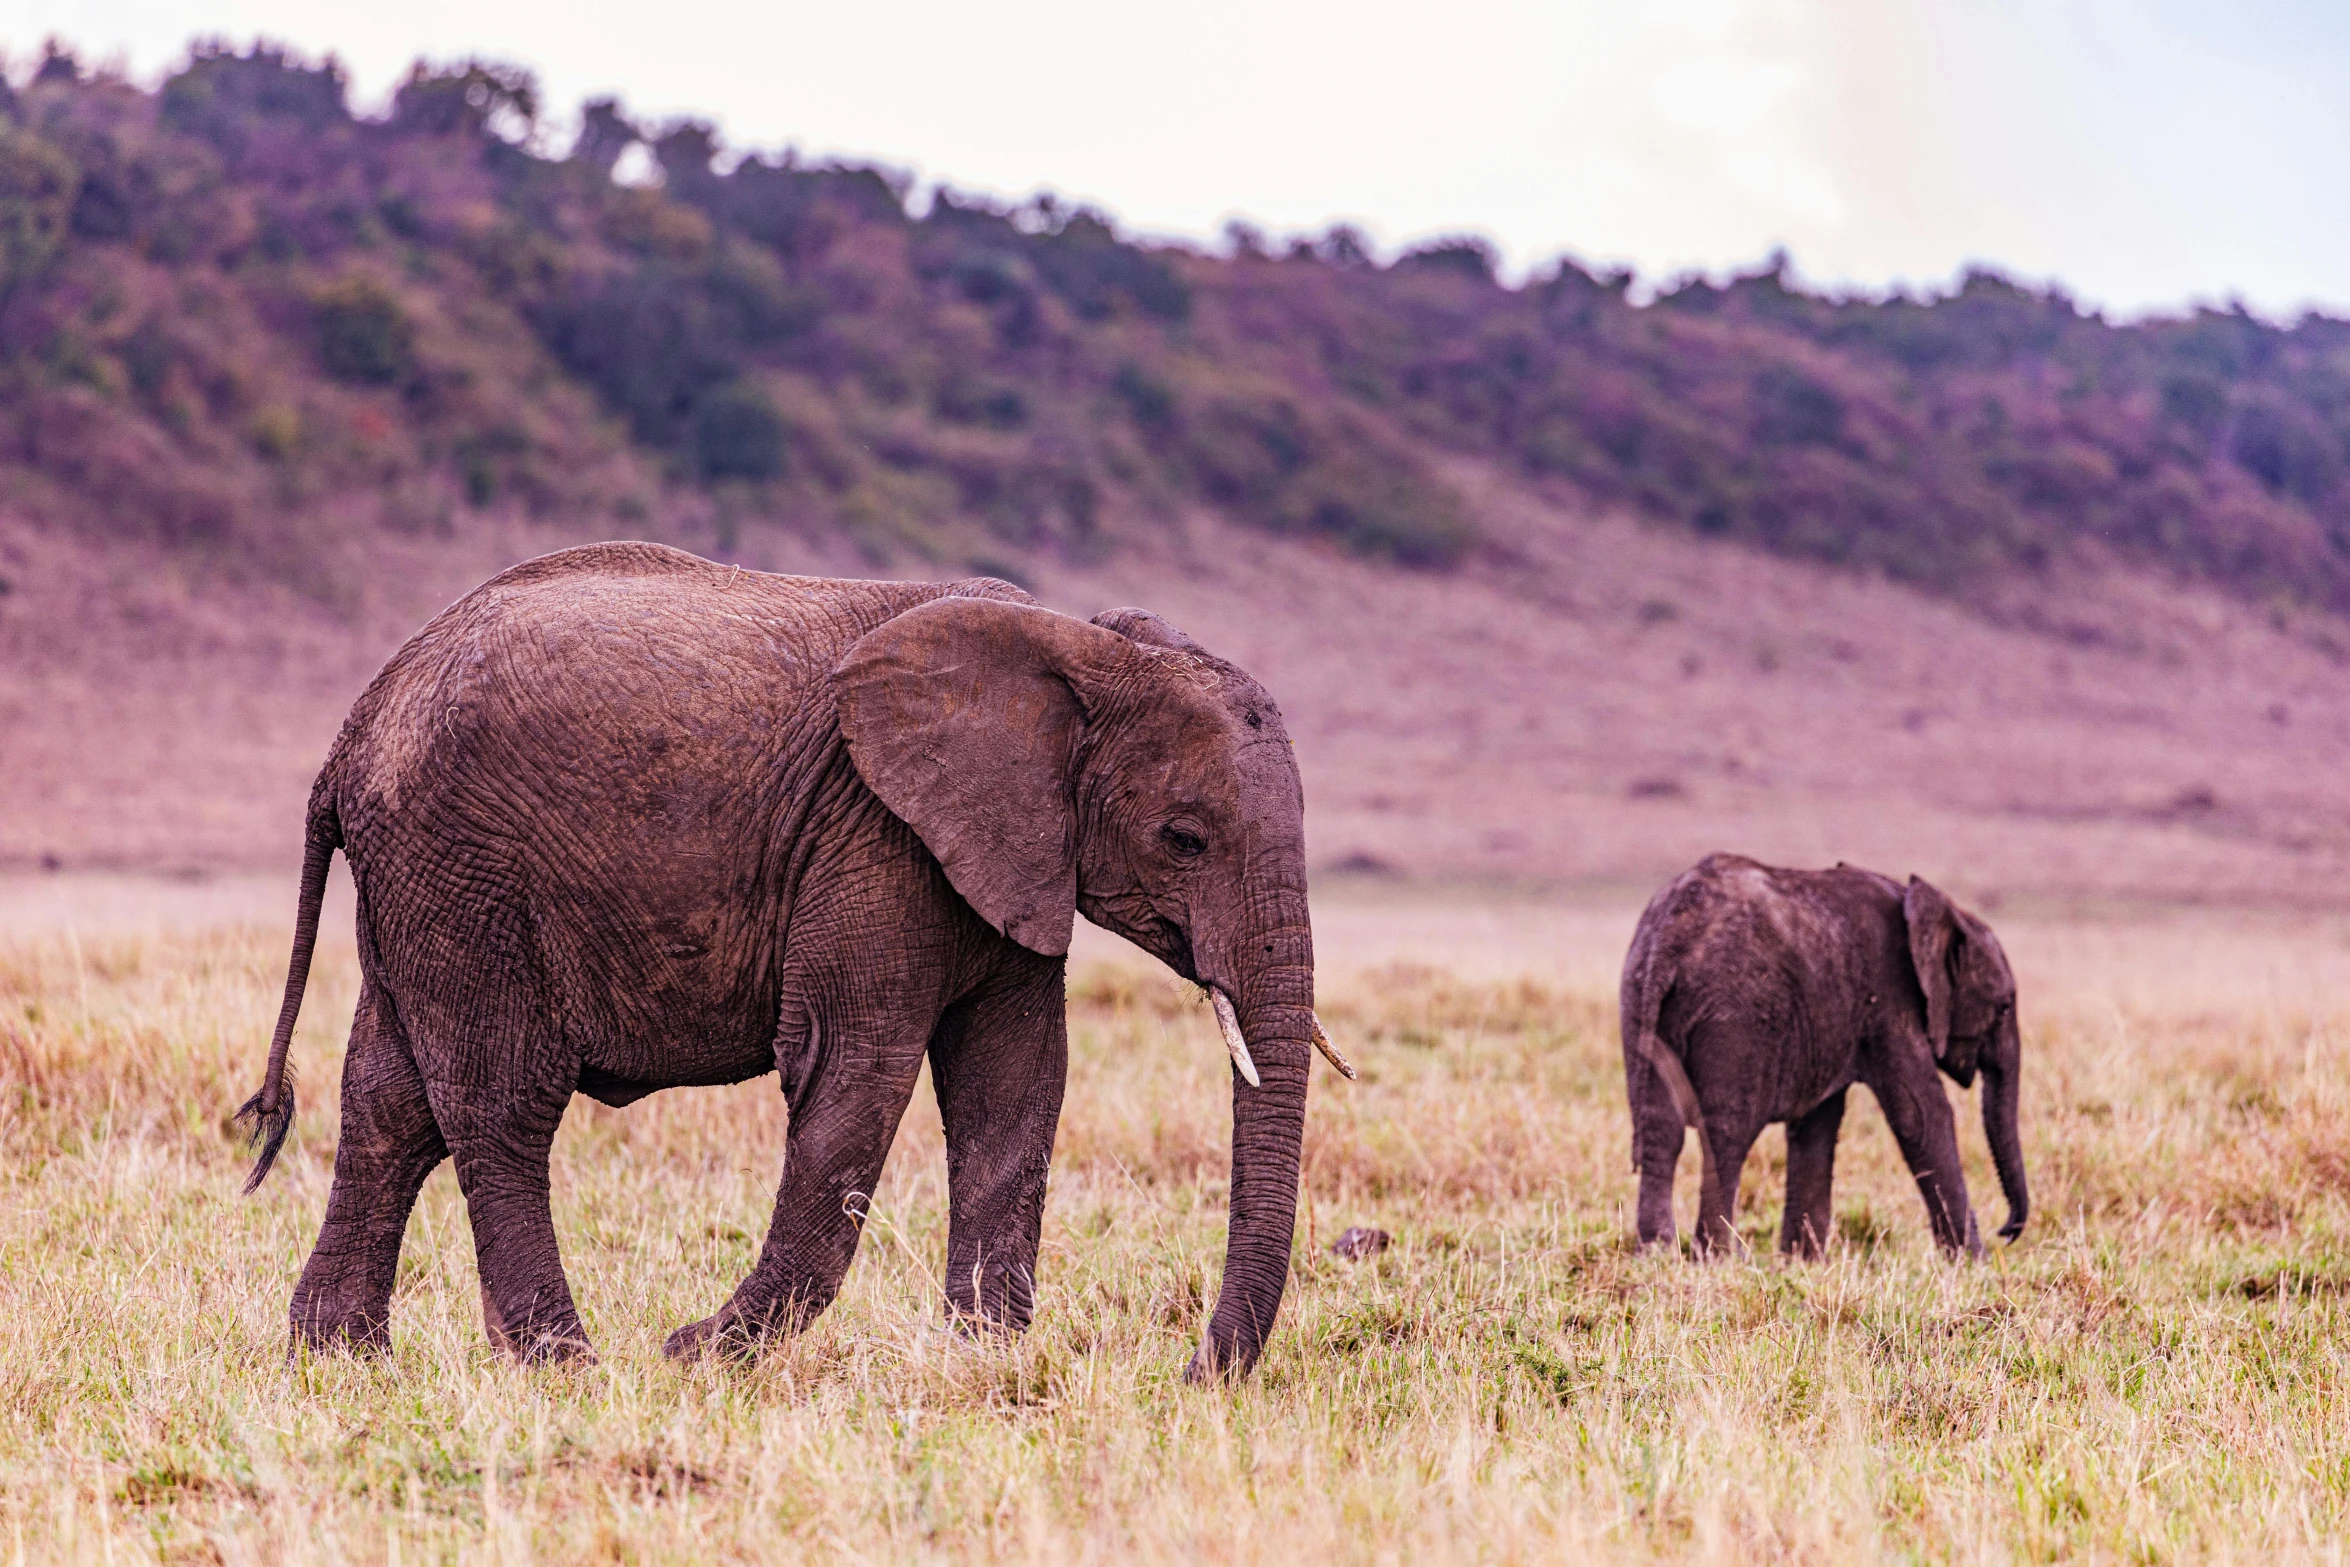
<point x="1717" y="1206"/>
<point x="1919" y="1112"/>
<point x="841" y="1128"/>
<point x="1811" y="1177"/>
<point x="1000" y="1063"/>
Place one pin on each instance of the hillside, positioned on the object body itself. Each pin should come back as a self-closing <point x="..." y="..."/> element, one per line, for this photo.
<point x="237" y="318"/>
<point x="1555" y="584"/>
<point x="1603" y="710"/>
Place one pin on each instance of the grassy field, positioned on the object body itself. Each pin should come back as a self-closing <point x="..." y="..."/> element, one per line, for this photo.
<point x="2158" y="1371"/>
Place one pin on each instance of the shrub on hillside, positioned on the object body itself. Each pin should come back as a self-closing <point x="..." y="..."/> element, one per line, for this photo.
<point x="2196" y="402"/>
<point x="1149" y="401"/>
<point x="645" y="343"/>
<point x="989" y="254"/>
<point x="38" y="185"/>
<point x="1792" y="409"/>
<point x="1264" y="458"/>
<point x="2286" y="449"/>
<point x="1466" y="255"/>
<point x="226" y="98"/>
<point x="792" y="210"/>
<point x="968" y="399"/>
<point x="477" y="98"/>
<point x="737" y="434"/>
<point x="653" y="340"/>
<point x="364" y="336"/>
<point x="1081" y="258"/>
<point x="605" y="132"/>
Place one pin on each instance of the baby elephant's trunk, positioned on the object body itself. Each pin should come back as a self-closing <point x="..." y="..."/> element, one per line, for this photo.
<point x="2002" y="1071"/>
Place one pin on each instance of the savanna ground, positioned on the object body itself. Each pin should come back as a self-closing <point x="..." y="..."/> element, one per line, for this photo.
<point x="2157" y="1370"/>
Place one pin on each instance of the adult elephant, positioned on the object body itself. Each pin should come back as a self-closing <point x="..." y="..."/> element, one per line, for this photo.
<point x="1753" y="994"/>
<point x="623" y="819"/>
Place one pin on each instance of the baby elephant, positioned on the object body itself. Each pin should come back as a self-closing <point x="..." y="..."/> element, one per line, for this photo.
<point x="1754" y="995"/>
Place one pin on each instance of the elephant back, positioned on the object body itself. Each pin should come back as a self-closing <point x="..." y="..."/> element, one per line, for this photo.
<point x="583" y="650"/>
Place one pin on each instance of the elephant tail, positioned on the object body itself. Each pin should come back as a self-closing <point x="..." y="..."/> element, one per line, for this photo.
<point x="1649" y="1006"/>
<point x="271" y="1111"/>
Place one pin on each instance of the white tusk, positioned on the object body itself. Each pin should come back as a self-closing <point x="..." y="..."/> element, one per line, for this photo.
<point x="1229" y="1021"/>
<point x="1330" y="1052"/>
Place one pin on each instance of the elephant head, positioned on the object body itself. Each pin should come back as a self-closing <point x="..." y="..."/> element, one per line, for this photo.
<point x="1971" y="1024"/>
<point x="1053" y="764"/>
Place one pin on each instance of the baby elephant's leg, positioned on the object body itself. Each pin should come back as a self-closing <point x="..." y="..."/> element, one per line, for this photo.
<point x="1811" y="1172"/>
<point x="1717" y="1230"/>
<point x="1657" y="1138"/>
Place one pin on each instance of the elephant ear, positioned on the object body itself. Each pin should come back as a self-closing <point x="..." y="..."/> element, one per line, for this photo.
<point x="1933" y="926"/>
<point x="1140" y="625"/>
<point x="964" y="716"/>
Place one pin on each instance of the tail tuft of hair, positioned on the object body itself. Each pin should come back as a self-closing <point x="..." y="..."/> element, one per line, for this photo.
<point x="267" y="1128"/>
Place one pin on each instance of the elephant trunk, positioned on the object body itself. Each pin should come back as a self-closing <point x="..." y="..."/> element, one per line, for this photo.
<point x="1271" y="982"/>
<point x="2002" y="1074"/>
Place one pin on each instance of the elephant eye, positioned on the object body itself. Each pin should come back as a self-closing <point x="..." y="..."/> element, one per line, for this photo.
<point x="1182" y="841"/>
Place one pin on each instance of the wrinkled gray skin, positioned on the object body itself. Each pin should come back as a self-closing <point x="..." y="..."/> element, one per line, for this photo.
<point x="623" y="819"/>
<point x="1753" y="995"/>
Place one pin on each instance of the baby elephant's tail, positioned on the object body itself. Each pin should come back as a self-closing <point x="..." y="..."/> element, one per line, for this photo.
<point x="1649" y="1004"/>
<point x="271" y="1111"/>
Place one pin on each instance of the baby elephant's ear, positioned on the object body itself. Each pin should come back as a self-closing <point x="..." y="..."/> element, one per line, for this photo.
<point x="964" y="716"/>
<point x="1933" y="927"/>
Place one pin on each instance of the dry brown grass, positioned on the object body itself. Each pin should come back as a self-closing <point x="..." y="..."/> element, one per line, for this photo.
<point x="2156" y="1372"/>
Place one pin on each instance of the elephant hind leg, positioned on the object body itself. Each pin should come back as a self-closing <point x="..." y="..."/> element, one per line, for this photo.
<point x="1811" y="1175"/>
<point x="499" y="1111"/>
<point x="1657" y="1139"/>
<point x="527" y="1308"/>
<point x="389" y="1143"/>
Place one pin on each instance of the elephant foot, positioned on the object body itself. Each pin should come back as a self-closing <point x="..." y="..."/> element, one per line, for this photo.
<point x="1718" y="1244"/>
<point x="727" y="1334"/>
<point x="1966" y="1247"/>
<point x="981" y="1325"/>
<point x="971" y="1329"/>
<point x="339" y="1311"/>
<point x="542" y="1328"/>
<point x="1807" y="1242"/>
<point x="548" y="1347"/>
<point x="554" y="1349"/>
<point x="356" y="1335"/>
<point x="550" y="1344"/>
<point x="1214" y="1367"/>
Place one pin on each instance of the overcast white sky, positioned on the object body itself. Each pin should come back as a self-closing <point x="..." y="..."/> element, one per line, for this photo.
<point x="2144" y="152"/>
